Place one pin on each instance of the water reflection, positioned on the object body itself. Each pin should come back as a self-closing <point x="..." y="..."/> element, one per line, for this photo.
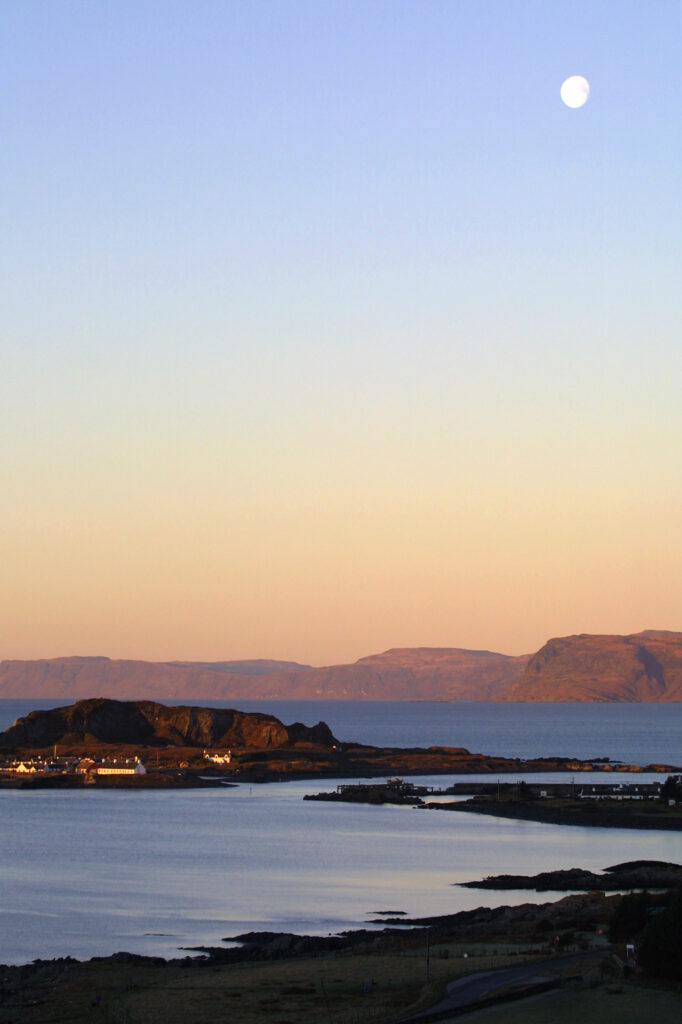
<point x="89" y="873"/>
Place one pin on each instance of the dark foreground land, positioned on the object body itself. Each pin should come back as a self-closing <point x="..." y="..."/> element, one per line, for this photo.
<point x="450" y="964"/>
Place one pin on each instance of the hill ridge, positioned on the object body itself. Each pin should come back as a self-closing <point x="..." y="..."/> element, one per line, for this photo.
<point x="636" y="667"/>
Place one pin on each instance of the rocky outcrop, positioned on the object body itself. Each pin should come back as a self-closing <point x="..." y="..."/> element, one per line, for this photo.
<point x="151" y="724"/>
<point x="634" y="875"/>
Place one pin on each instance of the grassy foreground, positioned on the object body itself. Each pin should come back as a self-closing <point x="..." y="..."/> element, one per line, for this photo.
<point x="612" y="1004"/>
<point x="342" y="988"/>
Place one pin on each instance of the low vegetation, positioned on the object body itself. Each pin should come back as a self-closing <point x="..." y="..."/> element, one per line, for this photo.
<point x="340" y="988"/>
<point x="627" y="1004"/>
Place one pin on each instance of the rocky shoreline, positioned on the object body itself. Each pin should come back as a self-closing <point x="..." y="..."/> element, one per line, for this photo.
<point x="586" y="906"/>
<point x="370" y="973"/>
<point x="573" y="911"/>
<point x="632" y="875"/>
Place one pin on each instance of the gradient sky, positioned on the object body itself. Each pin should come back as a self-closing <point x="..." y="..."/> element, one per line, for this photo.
<point x="327" y="328"/>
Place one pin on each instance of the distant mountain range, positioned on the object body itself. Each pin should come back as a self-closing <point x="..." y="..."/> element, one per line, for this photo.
<point x="644" y="666"/>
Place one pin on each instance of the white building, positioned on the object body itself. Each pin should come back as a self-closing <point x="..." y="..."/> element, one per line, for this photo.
<point x="135" y="767"/>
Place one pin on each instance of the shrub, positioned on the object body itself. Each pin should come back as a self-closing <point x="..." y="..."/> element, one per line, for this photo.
<point x="629" y="917"/>
<point x="660" y="946"/>
<point x="671" y="788"/>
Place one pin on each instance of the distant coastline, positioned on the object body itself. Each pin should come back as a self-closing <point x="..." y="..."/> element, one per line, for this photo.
<point x="643" y="667"/>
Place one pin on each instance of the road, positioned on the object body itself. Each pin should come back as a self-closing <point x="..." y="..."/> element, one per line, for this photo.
<point x="488" y="987"/>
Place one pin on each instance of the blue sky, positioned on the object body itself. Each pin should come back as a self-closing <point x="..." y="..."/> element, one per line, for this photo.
<point x="353" y="261"/>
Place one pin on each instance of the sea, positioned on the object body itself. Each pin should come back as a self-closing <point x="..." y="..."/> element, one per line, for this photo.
<point x="86" y="873"/>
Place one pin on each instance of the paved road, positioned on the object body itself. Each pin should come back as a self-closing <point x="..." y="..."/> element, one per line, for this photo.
<point x="464" y="994"/>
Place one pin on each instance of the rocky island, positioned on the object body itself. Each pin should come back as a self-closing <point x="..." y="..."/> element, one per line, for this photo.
<point x="187" y="745"/>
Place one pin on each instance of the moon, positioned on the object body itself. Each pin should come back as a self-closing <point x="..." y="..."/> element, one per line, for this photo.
<point x="575" y="91"/>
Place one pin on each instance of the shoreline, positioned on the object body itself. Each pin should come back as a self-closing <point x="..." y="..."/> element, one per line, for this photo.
<point x="589" y="816"/>
<point x="625" y="805"/>
<point x="184" y="768"/>
<point x="409" y="969"/>
<point x="275" y="945"/>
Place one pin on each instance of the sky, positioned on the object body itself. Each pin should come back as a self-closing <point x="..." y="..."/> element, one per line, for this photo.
<point x="327" y="328"/>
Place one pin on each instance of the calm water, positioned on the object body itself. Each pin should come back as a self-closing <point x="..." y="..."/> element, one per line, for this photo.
<point x="88" y="873"/>
<point x="639" y="733"/>
<point x="85" y="873"/>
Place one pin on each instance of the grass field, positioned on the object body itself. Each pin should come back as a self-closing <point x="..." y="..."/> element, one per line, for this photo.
<point x="604" y="1005"/>
<point x="357" y="987"/>
<point x="338" y="989"/>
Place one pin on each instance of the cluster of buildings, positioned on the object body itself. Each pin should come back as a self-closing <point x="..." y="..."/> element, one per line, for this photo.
<point x="217" y="758"/>
<point x="625" y="791"/>
<point x="79" y="766"/>
<point x="601" y="791"/>
<point x="128" y="766"/>
<point x="89" y="766"/>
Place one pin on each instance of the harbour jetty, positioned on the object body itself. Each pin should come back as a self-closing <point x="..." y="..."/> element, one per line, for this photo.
<point x="393" y="791"/>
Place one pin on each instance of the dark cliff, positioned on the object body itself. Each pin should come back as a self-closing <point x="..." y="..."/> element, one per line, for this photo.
<point x="149" y="723"/>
